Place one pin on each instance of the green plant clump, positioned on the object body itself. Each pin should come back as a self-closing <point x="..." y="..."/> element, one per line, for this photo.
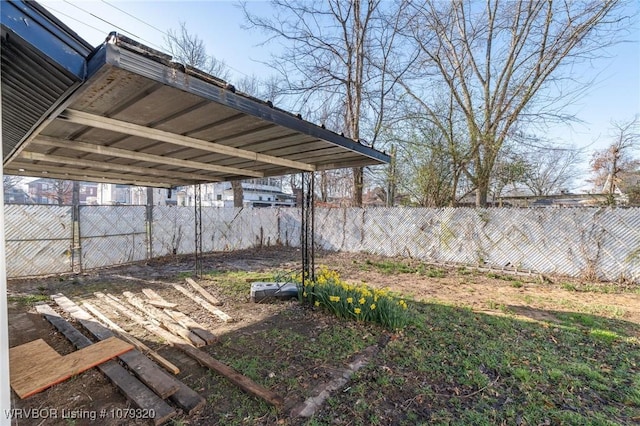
<point x="359" y="302"/>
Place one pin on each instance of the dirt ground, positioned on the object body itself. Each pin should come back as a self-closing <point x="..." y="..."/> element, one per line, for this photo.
<point x="530" y="296"/>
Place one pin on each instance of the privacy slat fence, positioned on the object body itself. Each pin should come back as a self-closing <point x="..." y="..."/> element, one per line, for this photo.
<point x="603" y="243"/>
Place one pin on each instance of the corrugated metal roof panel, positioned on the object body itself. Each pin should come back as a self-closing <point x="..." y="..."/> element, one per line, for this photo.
<point x="140" y="118"/>
<point x="42" y="61"/>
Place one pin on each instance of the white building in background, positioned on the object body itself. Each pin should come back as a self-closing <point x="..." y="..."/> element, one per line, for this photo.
<point x="263" y="192"/>
<point x="113" y="195"/>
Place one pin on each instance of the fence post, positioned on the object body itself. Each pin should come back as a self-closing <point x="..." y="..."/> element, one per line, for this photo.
<point x="76" y="251"/>
<point x="149" y="222"/>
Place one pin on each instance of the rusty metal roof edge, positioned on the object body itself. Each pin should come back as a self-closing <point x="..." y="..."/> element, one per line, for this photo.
<point x="139" y="59"/>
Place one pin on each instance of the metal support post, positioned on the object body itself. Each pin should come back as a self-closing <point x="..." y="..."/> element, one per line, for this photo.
<point x="76" y="250"/>
<point x="198" y="228"/>
<point x="149" y="222"/>
<point x="307" y="232"/>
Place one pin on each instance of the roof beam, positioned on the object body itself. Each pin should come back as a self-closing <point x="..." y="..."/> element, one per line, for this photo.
<point x="65" y="173"/>
<point x="140" y="156"/>
<point x="79" y="162"/>
<point x="92" y="120"/>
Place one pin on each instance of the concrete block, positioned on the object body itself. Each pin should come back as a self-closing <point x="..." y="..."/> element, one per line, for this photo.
<point x="261" y="290"/>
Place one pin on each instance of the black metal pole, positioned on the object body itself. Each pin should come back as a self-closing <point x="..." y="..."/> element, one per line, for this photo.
<point x="198" y="229"/>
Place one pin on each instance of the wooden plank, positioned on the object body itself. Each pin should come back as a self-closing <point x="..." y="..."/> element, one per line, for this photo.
<point x="208" y="306"/>
<point x="162" y="305"/>
<point x="156" y="300"/>
<point x="203" y="292"/>
<point x="135" y="391"/>
<point x="179" y="317"/>
<point x="39" y="373"/>
<point x="202" y="357"/>
<point x="36" y="352"/>
<point x="185" y="321"/>
<point x="186" y="398"/>
<point x="233" y="376"/>
<point x="148" y="372"/>
<point x="164" y="319"/>
<point x="165" y="363"/>
<point x="148" y="325"/>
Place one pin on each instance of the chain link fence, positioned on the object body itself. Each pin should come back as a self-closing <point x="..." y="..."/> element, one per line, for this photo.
<point x="38" y="239"/>
<point x="582" y="242"/>
<point x="111" y="235"/>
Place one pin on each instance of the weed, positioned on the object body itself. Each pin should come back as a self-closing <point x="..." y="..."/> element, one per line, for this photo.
<point x="436" y="273"/>
<point x="517" y="284"/>
<point x="391" y="267"/>
<point x="464" y="271"/>
<point x="606" y="335"/>
<point x="28" y="299"/>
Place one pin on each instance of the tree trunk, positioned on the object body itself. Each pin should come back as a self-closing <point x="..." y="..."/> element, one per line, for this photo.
<point x="238" y="193"/>
<point x="358" y="183"/>
<point x="454" y="189"/>
<point x="392" y="178"/>
<point x="481" y="194"/>
<point x="324" y="187"/>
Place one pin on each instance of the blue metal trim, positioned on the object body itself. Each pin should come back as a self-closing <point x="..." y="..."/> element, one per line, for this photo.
<point x="36" y="27"/>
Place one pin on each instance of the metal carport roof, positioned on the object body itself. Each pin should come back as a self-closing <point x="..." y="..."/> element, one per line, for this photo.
<point x="141" y="119"/>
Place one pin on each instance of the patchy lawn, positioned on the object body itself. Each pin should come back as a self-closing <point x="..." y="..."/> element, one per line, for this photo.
<point x="482" y="347"/>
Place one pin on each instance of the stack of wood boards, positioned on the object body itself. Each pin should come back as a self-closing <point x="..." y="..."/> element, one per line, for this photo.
<point x="36" y="366"/>
<point x="149" y="386"/>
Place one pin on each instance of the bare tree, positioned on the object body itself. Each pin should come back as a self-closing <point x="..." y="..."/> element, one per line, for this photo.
<point x="610" y="166"/>
<point x="510" y="169"/>
<point x="191" y="50"/>
<point x="60" y="191"/>
<point x="11" y="181"/>
<point x="551" y="169"/>
<point x="333" y="54"/>
<point x="503" y="63"/>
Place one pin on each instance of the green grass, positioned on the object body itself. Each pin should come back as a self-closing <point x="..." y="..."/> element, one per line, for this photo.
<point x="237" y="284"/>
<point x="460" y="367"/>
<point x="448" y="365"/>
<point x="604" y="288"/>
<point x="28" y="299"/>
<point x="392" y="267"/>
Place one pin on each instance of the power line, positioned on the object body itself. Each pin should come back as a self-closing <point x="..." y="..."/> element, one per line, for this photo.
<point x="164" y="33"/>
<point x="113" y="25"/>
<point x="75" y="19"/>
<point x="135" y="17"/>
